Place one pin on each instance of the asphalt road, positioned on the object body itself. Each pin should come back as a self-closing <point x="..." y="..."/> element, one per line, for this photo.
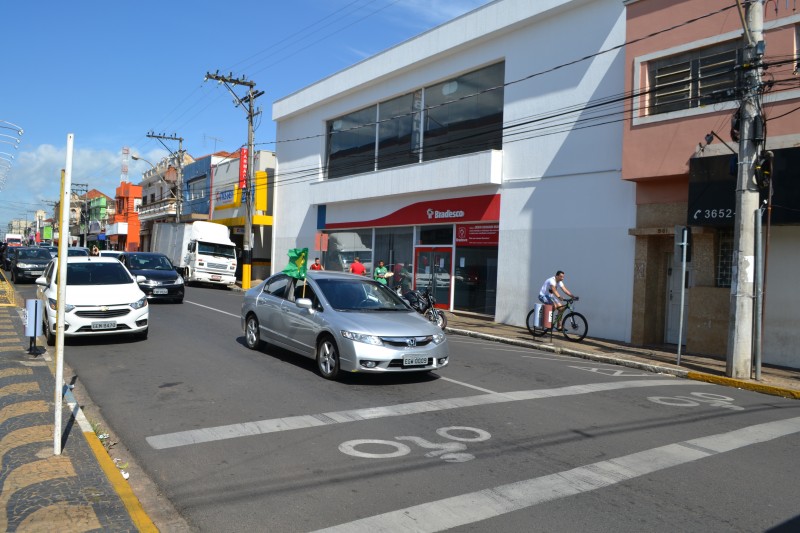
<point x="504" y="439"/>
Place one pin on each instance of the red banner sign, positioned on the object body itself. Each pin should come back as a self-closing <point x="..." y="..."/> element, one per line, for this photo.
<point x="242" y="168"/>
<point x="477" y="234"/>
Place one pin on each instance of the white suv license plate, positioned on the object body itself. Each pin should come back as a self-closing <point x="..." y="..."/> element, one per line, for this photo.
<point x="415" y="361"/>
<point x="160" y="291"/>
<point x="216" y="278"/>
<point x="111" y="324"/>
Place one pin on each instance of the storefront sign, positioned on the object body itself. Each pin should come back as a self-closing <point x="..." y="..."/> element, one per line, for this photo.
<point x="451" y="210"/>
<point x="242" y="168"/>
<point x="477" y="234"/>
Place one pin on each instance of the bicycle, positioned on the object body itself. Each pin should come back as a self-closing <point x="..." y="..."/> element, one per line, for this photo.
<point x="574" y="325"/>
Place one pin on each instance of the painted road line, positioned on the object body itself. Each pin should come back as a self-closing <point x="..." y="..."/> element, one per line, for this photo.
<point x="468" y="385"/>
<point x="213" y="309"/>
<point x="489" y="503"/>
<point x="260" y="427"/>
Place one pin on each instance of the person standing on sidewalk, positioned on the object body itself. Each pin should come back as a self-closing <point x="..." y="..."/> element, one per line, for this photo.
<point x="549" y="294"/>
<point x="381" y="273"/>
<point x="357" y="267"/>
<point x="316" y="265"/>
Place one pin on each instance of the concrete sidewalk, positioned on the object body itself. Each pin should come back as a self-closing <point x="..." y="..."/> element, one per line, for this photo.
<point x="79" y="490"/>
<point x="777" y="381"/>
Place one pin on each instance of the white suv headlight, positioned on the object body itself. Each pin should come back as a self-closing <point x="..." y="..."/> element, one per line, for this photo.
<point x="51" y="303"/>
<point x="361" y="337"/>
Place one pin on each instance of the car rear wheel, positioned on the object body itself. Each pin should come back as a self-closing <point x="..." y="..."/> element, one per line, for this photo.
<point x="252" y="333"/>
<point x="328" y="358"/>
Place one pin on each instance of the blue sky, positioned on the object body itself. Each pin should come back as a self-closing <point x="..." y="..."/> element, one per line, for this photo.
<point x="111" y="71"/>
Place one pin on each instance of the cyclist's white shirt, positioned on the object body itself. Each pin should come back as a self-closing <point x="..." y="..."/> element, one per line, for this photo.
<point x="544" y="292"/>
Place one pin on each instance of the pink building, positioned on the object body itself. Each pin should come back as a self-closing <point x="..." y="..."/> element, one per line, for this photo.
<point x="686" y="84"/>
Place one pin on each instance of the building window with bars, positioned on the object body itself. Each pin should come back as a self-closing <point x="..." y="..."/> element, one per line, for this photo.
<point x="724" y="258"/>
<point x="694" y="79"/>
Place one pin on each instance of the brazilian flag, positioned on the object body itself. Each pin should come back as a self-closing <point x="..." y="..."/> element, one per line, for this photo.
<point x="298" y="263"/>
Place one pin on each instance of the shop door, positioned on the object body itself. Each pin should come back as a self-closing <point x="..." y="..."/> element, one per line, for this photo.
<point x="433" y="268"/>
<point x="673" y="314"/>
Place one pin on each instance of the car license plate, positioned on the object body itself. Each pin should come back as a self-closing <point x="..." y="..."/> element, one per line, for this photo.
<point x="104" y="325"/>
<point x="415" y="361"/>
<point x="160" y="291"/>
<point x="216" y="278"/>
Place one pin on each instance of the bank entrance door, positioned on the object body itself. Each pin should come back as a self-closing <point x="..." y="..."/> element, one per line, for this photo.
<point x="433" y="268"/>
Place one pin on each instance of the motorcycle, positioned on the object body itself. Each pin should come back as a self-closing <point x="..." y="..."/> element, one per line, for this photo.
<point x="423" y="303"/>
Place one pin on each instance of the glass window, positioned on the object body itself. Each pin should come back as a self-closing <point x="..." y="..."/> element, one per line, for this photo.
<point x="465" y="114"/>
<point x="277" y="286"/>
<point x="725" y="253"/>
<point x="436" y="235"/>
<point x="475" y="279"/>
<point x="351" y="143"/>
<point x="695" y="78"/>
<point x="395" y="247"/>
<point x="398" y="131"/>
<point x="345" y="246"/>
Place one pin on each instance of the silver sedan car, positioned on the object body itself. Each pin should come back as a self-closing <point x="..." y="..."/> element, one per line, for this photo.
<point x="346" y="323"/>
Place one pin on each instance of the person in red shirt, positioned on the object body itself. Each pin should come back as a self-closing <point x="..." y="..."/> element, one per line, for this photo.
<point x="356" y="267"/>
<point x="316" y="265"/>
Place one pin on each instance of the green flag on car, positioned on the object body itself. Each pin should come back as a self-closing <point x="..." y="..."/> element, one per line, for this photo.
<point x="298" y="263"/>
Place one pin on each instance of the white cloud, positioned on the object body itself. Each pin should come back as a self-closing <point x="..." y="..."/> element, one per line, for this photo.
<point x="34" y="180"/>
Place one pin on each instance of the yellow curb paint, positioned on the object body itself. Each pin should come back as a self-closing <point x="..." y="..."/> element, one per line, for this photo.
<point x="747" y="385"/>
<point x="79" y="517"/>
<point x="24" y="436"/>
<point x="22" y="408"/>
<point x="19" y="388"/>
<point x="129" y="499"/>
<point x="17" y="371"/>
<point x="29" y="474"/>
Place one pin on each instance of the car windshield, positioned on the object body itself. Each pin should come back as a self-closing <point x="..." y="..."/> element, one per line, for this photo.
<point x="223" y="250"/>
<point x="360" y="295"/>
<point x="33" y="253"/>
<point x="97" y="274"/>
<point x="150" y="262"/>
<point x="71" y="252"/>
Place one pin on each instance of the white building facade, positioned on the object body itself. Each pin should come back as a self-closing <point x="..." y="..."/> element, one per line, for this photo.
<point x="469" y="158"/>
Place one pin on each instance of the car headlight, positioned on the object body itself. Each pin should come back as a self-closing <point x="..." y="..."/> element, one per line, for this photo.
<point x="361" y="337"/>
<point x="140" y="303"/>
<point x="438" y="338"/>
<point x="179" y="281"/>
<point x="52" y="304"/>
<point x="150" y="282"/>
<point x="25" y="265"/>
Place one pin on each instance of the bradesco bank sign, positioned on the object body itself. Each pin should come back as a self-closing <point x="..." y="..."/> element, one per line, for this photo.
<point x="451" y="210"/>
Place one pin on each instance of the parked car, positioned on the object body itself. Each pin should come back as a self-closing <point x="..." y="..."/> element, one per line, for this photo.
<point x="28" y="263"/>
<point x="102" y="298"/>
<point x="347" y="323"/>
<point x="76" y="251"/>
<point x="161" y="280"/>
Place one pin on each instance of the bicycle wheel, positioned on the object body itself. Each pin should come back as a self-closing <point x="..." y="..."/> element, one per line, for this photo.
<point x="530" y="321"/>
<point x="575" y="327"/>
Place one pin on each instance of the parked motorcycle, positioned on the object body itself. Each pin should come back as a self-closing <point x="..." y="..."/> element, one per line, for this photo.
<point x="423" y="303"/>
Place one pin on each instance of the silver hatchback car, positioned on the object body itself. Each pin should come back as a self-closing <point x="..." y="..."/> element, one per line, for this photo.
<point x="346" y="323"/>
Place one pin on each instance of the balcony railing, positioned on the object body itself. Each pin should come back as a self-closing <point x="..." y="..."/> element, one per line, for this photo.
<point x="158" y="209"/>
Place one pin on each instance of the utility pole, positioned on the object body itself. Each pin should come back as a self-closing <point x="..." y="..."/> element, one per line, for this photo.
<point x="179" y="178"/>
<point x="248" y="104"/>
<point x="751" y="140"/>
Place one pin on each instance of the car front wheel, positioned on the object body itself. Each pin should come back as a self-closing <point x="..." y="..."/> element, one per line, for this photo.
<point x="328" y="358"/>
<point x="252" y="333"/>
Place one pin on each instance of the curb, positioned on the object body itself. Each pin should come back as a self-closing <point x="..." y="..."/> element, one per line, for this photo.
<point x="677" y="372"/>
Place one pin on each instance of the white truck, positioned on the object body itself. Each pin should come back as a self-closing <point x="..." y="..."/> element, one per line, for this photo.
<point x="201" y="251"/>
<point x="13" y="239"/>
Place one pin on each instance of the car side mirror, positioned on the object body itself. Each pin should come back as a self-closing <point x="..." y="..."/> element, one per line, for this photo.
<point x="41" y="281"/>
<point x="304" y="303"/>
<point x="140" y="279"/>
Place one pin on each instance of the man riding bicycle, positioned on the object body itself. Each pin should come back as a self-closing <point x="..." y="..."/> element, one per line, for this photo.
<point x="549" y="293"/>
